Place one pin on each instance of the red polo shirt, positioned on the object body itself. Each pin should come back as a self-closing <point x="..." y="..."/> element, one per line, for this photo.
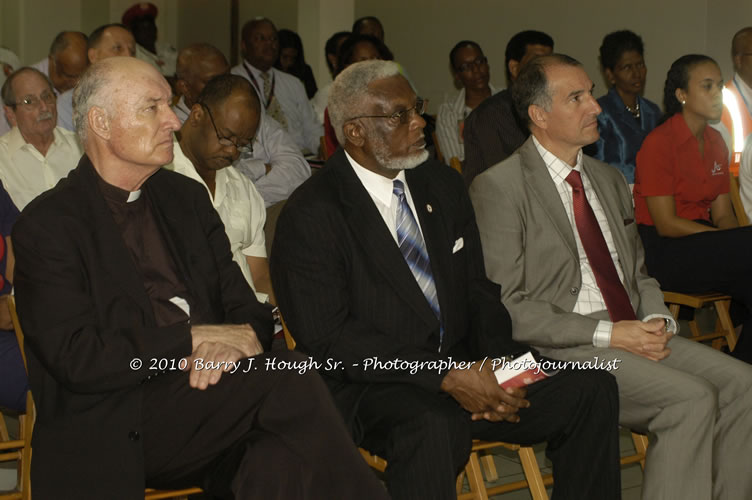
<point x="669" y="163"/>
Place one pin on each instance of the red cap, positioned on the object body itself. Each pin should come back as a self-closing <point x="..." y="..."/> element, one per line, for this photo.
<point x="139" y="10"/>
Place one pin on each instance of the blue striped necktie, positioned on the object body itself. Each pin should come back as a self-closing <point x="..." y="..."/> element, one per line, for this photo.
<point x="414" y="251"/>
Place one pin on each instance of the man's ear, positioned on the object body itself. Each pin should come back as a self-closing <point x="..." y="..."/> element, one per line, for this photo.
<point x="99" y="122"/>
<point x="197" y="113"/>
<point x="10" y="115"/>
<point x="92" y="55"/>
<point x="538" y="116"/>
<point x="514" y="68"/>
<point x="354" y="133"/>
<point x="182" y="87"/>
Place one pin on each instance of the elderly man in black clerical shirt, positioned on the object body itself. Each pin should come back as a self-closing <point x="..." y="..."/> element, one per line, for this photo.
<point x="145" y="343"/>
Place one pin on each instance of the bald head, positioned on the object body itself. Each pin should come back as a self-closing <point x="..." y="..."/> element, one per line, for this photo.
<point x="196" y="65"/>
<point x="67" y="59"/>
<point x="111" y="40"/>
<point x="741" y="54"/>
<point x="260" y="43"/>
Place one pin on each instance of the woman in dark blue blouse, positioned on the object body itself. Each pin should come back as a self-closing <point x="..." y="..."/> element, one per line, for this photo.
<point x="627" y="117"/>
<point x="13" y="384"/>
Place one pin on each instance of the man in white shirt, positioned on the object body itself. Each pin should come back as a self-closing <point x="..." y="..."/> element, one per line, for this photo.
<point x="282" y="95"/>
<point x="559" y="236"/>
<point x="66" y="61"/>
<point x="274" y="163"/>
<point x="740" y="85"/>
<point x="220" y="125"/>
<point x="35" y="154"/>
<point x="109" y="40"/>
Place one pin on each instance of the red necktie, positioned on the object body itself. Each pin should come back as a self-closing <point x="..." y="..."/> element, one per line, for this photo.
<point x="613" y="292"/>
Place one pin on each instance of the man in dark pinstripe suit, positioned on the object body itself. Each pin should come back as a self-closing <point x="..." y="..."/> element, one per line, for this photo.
<point x="352" y="300"/>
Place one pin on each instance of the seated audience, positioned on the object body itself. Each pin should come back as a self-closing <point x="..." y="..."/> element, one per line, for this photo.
<point x="140" y="19"/>
<point x="222" y="123"/>
<point x="109" y="40"/>
<point x="681" y="193"/>
<point x="559" y="237"/>
<point x="493" y="131"/>
<point x="66" y="61"/>
<point x="626" y="117"/>
<point x="416" y="292"/>
<point x="134" y="312"/>
<point x="282" y="96"/>
<point x="273" y="163"/>
<point x="331" y="49"/>
<point x="470" y="69"/>
<point x="36" y="153"/>
<point x="354" y="49"/>
<point x="13" y="383"/>
<point x="292" y="60"/>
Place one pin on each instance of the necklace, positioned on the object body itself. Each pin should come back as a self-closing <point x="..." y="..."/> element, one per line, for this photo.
<point x="636" y="111"/>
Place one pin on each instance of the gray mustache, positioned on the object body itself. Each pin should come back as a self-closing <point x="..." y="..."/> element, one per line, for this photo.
<point x="47" y="115"/>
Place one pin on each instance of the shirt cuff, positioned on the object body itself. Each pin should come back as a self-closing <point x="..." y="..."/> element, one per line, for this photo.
<point x="602" y="334"/>
<point x="671" y="325"/>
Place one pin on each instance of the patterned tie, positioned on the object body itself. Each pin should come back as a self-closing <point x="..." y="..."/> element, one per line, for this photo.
<point x="613" y="292"/>
<point x="273" y="108"/>
<point x="414" y="251"/>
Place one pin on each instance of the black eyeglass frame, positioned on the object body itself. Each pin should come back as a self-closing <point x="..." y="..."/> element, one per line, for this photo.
<point x="400" y="117"/>
<point x="226" y="141"/>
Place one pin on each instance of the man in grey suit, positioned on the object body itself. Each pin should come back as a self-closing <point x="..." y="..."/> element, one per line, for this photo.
<point x="558" y="234"/>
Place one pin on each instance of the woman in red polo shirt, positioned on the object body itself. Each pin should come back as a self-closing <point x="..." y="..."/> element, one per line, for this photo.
<point x="682" y="204"/>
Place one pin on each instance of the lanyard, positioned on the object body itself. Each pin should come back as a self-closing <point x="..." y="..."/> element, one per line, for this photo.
<point x="255" y="84"/>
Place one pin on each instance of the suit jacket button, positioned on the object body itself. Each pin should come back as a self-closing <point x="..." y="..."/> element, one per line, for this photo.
<point x="574" y="290"/>
<point x="134" y="436"/>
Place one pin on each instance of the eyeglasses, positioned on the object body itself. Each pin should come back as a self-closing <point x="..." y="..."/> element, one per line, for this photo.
<point x="226" y="141"/>
<point x="469" y="66"/>
<point x="400" y="117"/>
<point x="33" y="102"/>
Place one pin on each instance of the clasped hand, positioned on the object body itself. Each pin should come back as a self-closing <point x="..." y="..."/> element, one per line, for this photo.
<point x="478" y="392"/>
<point x="222" y="345"/>
<point x="648" y="339"/>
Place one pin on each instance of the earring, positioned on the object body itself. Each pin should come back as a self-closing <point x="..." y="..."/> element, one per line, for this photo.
<point x="684" y="102"/>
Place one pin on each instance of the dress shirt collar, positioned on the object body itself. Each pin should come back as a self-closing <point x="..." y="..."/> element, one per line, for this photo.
<point x="377" y="185"/>
<point x="16" y="140"/>
<point x="681" y="133"/>
<point x="557" y="168"/>
<point x="187" y="168"/>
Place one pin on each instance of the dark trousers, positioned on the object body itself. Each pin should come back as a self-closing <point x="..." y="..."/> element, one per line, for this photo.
<point x="712" y="261"/>
<point x="271" y="434"/>
<point x="426" y="438"/>
<point x="13" y="383"/>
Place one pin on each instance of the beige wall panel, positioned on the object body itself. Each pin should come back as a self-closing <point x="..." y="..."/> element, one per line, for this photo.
<point x="204" y="21"/>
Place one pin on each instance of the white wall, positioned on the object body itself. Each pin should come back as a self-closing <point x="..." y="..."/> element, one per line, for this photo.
<point x="419" y="32"/>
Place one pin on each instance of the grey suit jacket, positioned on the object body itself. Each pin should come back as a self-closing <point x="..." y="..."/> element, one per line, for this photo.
<point x="530" y="248"/>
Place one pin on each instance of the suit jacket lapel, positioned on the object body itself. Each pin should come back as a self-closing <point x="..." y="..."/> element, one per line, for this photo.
<point x="367" y="226"/>
<point x="544" y="190"/>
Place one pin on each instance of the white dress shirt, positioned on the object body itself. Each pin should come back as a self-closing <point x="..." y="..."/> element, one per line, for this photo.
<point x="381" y="190"/>
<point x="289" y="91"/>
<point x="273" y="146"/>
<point x="589" y="299"/>
<point x="65" y="110"/>
<point x="26" y="173"/>
<point x="239" y="206"/>
<point x="181" y="110"/>
<point x="451" y="113"/>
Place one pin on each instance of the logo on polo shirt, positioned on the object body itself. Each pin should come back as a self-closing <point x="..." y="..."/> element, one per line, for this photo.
<point x="716" y="169"/>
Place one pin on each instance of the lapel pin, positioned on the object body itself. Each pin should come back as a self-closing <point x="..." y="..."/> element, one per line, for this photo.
<point x="429" y="208"/>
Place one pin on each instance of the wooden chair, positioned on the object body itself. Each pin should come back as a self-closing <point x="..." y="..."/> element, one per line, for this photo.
<point x="736" y="201"/>
<point x="23" y="454"/>
<point x="723" y="334"/>
<point x="456" y="164"/>
<point x="19" y="449"/>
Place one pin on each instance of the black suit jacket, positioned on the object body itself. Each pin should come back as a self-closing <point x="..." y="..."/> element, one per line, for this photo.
<point x="493" y="131"/>
<point x="347" y="293"/>
<point x="86" y="315"/>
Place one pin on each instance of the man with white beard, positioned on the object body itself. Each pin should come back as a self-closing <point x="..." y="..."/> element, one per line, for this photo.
<point x="35" y="154"/>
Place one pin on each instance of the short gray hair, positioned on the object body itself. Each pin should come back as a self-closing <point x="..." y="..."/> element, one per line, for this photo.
<point x="350" y="88"/>
<point x="9" y="96"/>
<point x="93" y="89"/>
